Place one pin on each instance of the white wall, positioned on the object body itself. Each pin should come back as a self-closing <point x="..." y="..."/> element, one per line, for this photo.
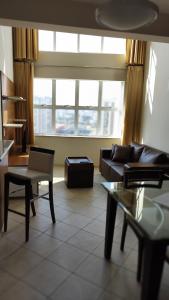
<point x="75" y="146"/>
<point x="6" y="51"/>
<point x="155" y="123"/>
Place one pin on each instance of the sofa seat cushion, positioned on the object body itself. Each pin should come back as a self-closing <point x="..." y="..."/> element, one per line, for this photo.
<point x="150" y="155"/>
<point x="137" y="150"/>
<point x="122" y="154"/>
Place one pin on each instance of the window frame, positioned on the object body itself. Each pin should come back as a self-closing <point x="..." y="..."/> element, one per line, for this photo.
<point x="78" y="44"/>
<point x="76" y="108"/>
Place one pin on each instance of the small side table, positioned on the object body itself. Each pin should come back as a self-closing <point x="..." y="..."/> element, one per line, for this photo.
<point x="79" y="172"/>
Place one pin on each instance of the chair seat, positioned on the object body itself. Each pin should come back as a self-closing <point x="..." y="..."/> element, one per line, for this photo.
<point x="26" y="173"/>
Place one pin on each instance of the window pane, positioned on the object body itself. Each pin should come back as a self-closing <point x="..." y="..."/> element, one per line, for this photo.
<point x="65" y="92"/>
<point x="43" y="91"/>
<point x="117" y="124"/>
<point x="111" y="123"/>
<point x="106" y="125"/>
<point x="43" y="121"/>
<point x="87" y="122"/>
<point x="66" y="42"/>
<point x="90" y="43"/>
<point x="112" y="94"/>
<point x="88" y="92"/>
<point x="45" y="40"/>
<point x="65" y="120"/>
<point x="114" y="45"/>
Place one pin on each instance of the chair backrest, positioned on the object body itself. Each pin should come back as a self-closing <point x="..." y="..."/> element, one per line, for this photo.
<point x="41" y="160"/>
<point x="143" y="178"/>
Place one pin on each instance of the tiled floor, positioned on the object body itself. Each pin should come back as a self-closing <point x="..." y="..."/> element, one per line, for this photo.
<point x="66" y="261"/>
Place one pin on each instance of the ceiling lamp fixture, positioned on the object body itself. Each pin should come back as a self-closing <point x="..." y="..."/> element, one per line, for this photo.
<point x="126" y="14"/>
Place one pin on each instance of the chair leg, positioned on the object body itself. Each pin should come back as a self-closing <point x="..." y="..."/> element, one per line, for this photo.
<point x="51" y="201"/>
<point x="6" y="203"/>
<point x="33" y="208"/>
<point x="32" y="204"/>
<point x="27" y="209"/>
<point x="140" y="258"/>
<point x="124" y="230"/>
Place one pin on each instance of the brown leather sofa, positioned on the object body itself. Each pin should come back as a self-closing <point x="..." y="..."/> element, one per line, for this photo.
<point x="141" y="160"/>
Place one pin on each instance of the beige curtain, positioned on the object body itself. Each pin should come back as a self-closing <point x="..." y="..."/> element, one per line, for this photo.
<point x="25" y="45"/>
<point x="135" y="57"/>
<point x="24" y="73"/>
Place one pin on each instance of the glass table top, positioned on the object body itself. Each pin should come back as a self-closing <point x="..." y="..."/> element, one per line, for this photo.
<point x="5" y="145"/>
<point x="147" y="207"/>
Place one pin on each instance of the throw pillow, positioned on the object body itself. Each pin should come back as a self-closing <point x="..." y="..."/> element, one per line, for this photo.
<point x="122" y="153"/>
<point x="152" y="156"/>
<point x="137" y="150"/>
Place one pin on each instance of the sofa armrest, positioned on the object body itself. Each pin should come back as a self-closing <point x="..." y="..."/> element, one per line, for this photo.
<point x="105" y="153"/>
<point x="141" y="166"/>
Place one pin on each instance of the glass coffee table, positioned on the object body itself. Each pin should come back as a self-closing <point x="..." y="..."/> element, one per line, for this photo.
<point x="148" y="209"/>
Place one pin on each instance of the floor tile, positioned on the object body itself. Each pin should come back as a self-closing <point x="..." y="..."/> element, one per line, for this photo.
<point x="22" y="291"/>
<point x="107" y="296"/>
<point x="62" y="231"/>
<point x="16" y="218"/>
<point x="89" y="211"/>
<point x="77" y="220"/>
<point x="96" y="227"/>
<point x="100" y="202"/>
<point x="12" y="224"/>
<point x="68" y="257"/>
<point x="102" y="217"/>
<point x="124" y="284"/>
<point x="61" y="213"/>
<point x="7" y="247"/>
<point x="85" y="240"/>
<point x="117" y="257"/>
<point x="18" y="234"/>
<point x="6" y="281"/>
<point x="131" y="261"/>
<point x="66" y="261"/>
<point x="76" y="288"/>
<point x="96" y="270"/>
<point x="43" y="245"/>
<point x="165" y="277"/>
<point x="131" y="240"/>
<point x="41" y="223"/>
<point x="46" y="277"/>
<point x="164" y="292"/>
<point x="21" y="262"/>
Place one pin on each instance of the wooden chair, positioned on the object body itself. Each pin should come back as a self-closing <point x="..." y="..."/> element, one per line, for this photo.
<point x="40" y="168"/>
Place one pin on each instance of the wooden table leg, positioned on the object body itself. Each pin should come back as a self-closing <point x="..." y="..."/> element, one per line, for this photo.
<point x="153" y="261"/>
<point x="110" y="224"/>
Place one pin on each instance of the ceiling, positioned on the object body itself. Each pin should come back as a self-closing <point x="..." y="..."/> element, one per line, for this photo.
<point x="76" y="15"/>
<point x="162" y="4"/>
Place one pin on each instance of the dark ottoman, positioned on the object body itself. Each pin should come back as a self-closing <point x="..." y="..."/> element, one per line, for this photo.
<point x="79" y="172"/>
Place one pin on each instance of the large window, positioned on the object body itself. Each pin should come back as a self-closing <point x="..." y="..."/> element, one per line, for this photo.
<point x="78" y="107"/>
<point x="82" y="43"/>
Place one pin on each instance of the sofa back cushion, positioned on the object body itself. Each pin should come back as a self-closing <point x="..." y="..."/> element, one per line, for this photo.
<point x="150" y="155"/>
<point x="122" y="154"/>
<point x="137" y="150"/>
